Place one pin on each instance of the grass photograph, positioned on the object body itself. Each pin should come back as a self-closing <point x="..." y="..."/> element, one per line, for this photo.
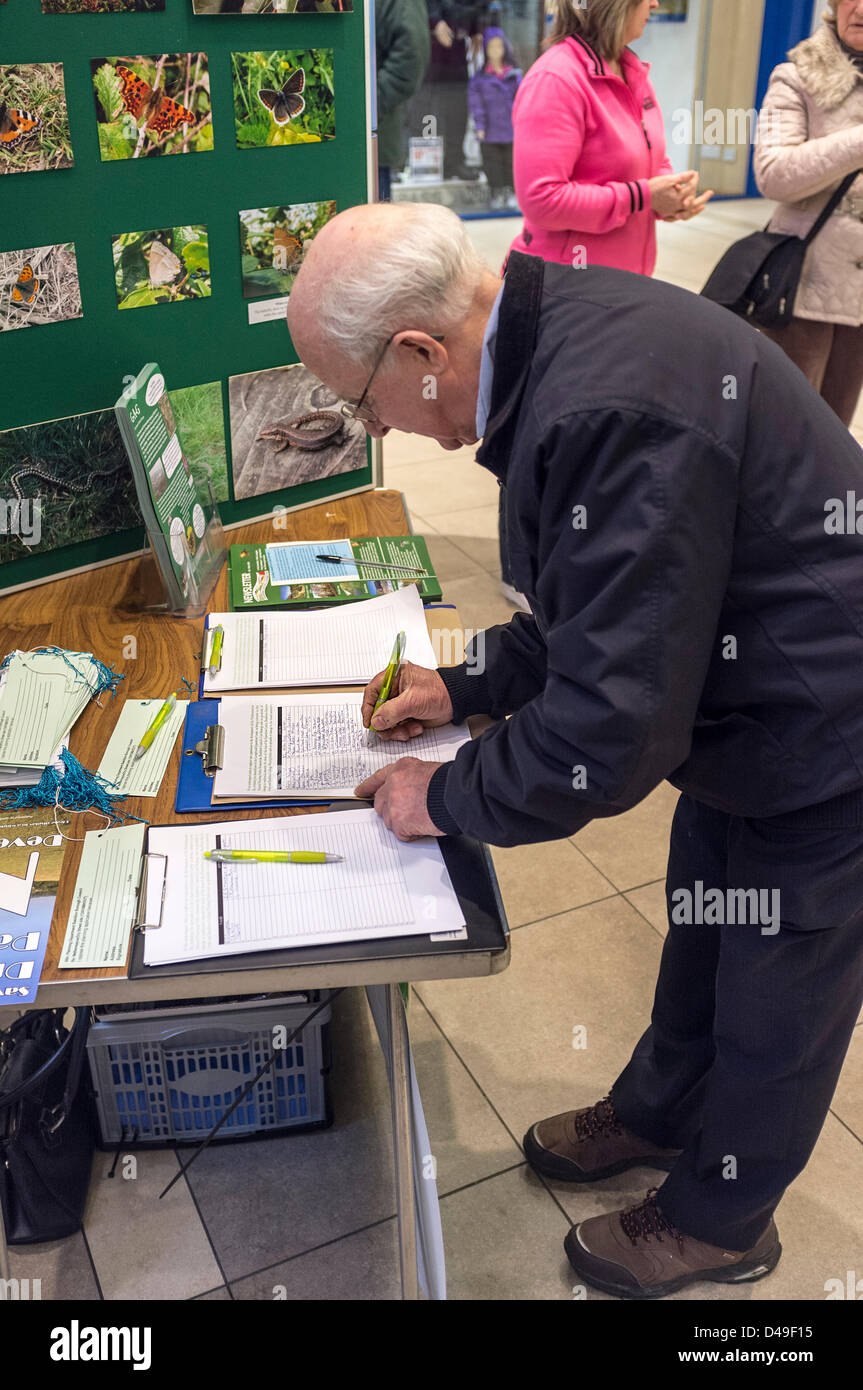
<point x="200" y="424"/>
<point x="39" y="285"/>
<point x="286" y="97"/>
<point x="161" y="266"/>
<point x="273" y="242"/>
<point x="34" y="122"/>
<point x="152" y="105"/>
<point x="78" y="469"/>
<point x="99" y="6"/>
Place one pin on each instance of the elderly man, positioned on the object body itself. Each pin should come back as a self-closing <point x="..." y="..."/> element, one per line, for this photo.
<point x="684" y="518"/>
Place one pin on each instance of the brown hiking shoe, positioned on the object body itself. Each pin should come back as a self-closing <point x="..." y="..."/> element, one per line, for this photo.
<point x="586" y="1145"/>
<point x="639" y="1254"/>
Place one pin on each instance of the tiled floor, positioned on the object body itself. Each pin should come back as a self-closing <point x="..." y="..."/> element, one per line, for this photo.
<point x="311" y="1216"/>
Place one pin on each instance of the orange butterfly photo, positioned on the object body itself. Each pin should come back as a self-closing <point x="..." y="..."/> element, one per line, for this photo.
<point x="152" y="104"/>
<point x="273" y="242"/>
<point x="34" y="123"/>
<point x="39" y="285"/>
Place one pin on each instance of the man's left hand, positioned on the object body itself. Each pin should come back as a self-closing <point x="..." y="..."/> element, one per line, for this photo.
<point x="399" y="792"/>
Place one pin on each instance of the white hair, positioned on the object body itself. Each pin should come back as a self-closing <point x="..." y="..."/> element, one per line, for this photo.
<point x="424" y="277"/>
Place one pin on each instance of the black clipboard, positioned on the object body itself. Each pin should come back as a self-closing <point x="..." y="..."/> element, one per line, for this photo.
<point x="473" y="878"/>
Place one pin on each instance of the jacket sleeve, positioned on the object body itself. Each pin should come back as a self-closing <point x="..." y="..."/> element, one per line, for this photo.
<point x="505" y="668"/>
<point x="475" y="103"/>
<point x="401" y="67"/>
<point x="454" y="13"/>
<point x="788" y="165"/>
<point x="633" y="602"/>
<point x="549" y="124"/>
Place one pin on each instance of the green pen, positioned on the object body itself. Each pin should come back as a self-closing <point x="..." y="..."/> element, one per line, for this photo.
<point x="216" y="650"/>
<point x="155" y="726"/>
<point x="389" y="677"/>
<point x="271" y="856"/>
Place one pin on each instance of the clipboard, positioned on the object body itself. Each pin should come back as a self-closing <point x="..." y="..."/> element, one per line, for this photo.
<point x="435" y="619"/>
<point x="195" y="788"/>
<point x="470" y="868"/>
<point x="195" y="785"/>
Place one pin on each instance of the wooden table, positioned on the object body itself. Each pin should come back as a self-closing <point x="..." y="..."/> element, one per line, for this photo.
<point x="100" y="611"/>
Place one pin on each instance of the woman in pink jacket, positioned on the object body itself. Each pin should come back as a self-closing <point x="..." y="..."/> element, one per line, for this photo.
<point x="591" y="170"/>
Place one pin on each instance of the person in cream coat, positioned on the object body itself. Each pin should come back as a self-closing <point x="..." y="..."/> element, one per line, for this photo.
<point x="810" y="139"/>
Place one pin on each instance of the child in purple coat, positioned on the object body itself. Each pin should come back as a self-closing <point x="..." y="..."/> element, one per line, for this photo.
<point x="491" y="93"/>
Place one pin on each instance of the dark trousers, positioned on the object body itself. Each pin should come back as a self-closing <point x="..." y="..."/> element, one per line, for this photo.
<point x="749" y="1027"/>
<point x="830" y="355"/>
<point x="447" y="101"/>
<point x="497" y="163"/>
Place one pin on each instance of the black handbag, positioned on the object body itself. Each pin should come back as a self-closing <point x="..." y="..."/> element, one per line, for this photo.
<point x="758" y="277"/>
<point x="47" y="1134"/>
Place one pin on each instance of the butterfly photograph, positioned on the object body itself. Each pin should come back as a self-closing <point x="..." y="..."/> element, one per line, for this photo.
<point x="273" y="242"/>
<point x="285" y="97"/>
<point x="161" y="266"/>
<point x="34" y="122"/>
<point x="270" y="6"/>
<point x="152" y="105"/>
<point x="39" y="285"/>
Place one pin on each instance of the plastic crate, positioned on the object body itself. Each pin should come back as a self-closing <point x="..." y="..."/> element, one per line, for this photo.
<point x="168" y="1079"/>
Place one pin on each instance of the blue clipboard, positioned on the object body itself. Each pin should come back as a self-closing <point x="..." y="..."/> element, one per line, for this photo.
<point x="194" y="787"/>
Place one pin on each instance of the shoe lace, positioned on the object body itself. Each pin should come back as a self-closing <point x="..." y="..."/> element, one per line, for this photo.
<point x="646" y="1220"/>
<point x="599" y="1119"/>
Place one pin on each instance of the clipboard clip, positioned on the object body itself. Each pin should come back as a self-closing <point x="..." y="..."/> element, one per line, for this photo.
<point x="212" y="749"/>
<point x="143" y="884"/>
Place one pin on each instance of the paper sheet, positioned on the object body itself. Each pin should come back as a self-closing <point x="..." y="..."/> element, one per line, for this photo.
<point x="311" y="745"/>
<point x="30" y="776"/>
<point x="104" y="903"/>
<point x="337" y="646"/>
<point x="142" y="776"/>
<point x="384" y="888"/>
<point x="294" y="562"/>
<point x="40" y="699"/>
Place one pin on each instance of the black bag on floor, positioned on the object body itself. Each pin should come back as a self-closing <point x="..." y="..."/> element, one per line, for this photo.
<point x="47" y="1135"/>
<point x="758" y="277"/>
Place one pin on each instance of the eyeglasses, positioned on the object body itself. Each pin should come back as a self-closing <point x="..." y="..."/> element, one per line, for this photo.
<point x="355" y="411"/>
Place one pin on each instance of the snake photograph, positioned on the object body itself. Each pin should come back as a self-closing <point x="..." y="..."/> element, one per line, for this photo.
<point x="32" y="470"/>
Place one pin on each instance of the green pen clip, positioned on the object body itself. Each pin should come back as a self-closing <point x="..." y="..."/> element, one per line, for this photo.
<point x="389" y="679"/>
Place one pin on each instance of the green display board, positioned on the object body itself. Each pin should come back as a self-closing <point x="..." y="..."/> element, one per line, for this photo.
<point x="264" y="156"/>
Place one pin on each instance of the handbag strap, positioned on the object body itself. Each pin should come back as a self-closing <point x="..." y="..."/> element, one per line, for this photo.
<point x="831" y="206"/>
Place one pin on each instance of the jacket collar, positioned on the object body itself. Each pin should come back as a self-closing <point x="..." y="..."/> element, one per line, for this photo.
<point x="827" y="74"/>
<point x="637" y="72"/>
<point x="516" y="339"/>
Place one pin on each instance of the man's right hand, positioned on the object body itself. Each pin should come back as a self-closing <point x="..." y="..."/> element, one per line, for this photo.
<point x="420" y="700"/>
<point x="443" y="34"/>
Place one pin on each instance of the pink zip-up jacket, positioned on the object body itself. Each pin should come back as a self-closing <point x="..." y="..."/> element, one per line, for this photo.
<point x="586" y="144"/>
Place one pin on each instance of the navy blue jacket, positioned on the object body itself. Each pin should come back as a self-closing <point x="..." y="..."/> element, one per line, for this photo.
<point x="701" y="619"/>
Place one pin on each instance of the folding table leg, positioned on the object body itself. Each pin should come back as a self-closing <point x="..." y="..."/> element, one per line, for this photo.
<point x="5" y="1268"/>
<point x="402" y="1142"/>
